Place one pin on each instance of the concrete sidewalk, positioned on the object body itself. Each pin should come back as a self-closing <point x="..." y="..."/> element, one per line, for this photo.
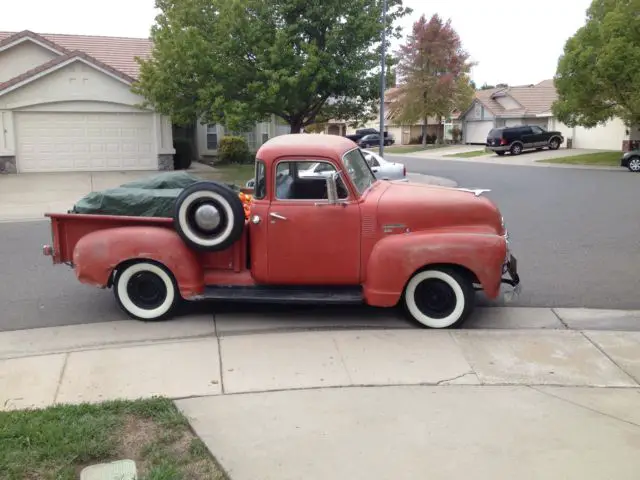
<point x="373" y="404"/>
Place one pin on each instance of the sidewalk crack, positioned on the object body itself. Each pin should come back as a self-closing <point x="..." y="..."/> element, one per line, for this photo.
<point x="601" y="350"/>
<point x="344" y="364"/>
<point x="63" y="370"/>
<point x="220" y="367"/>
<point x="453" y="379"/>
<point x="560" y="319"/>
<point x="585" y="407"/>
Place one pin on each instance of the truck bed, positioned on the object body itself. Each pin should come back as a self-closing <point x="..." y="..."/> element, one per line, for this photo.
<point x="68" y="228"/>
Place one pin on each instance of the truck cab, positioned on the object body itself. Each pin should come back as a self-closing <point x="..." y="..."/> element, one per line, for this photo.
<point x="344" y="237"/>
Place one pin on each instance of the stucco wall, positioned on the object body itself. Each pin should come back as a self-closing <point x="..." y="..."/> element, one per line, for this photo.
<point x="22" y="58"/>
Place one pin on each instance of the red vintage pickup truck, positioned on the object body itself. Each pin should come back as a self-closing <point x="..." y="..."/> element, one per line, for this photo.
<point x="339" y="238"/>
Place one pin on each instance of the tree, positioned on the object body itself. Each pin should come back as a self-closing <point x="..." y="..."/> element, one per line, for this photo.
<point x="597" y="76"/>
<point x="236" y="62"/>
<point x="434" y="71"/>
<point x="486" y="86"/>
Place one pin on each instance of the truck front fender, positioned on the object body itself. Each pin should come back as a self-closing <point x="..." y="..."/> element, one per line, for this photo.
<point x="396" y="258"/>
<point x="97" y="254"/>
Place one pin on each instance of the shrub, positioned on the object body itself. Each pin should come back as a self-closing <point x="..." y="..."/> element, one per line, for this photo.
<point x="184" y="153"/>
<point x="233" y="149"/>
<point x="456" y="133"/>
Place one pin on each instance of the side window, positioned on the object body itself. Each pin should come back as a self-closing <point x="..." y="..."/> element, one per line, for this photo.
<point x="525" y="131"/>
<point x="299" y="180"/>
<point x="536" y="130"/>
<point x="260" y="190"/>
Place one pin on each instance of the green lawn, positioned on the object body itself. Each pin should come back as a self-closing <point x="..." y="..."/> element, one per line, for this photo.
<point x="237" y="174"/>
<point x="474" y="153"/>
<point x="56" y="443"/>
<point x="599" y="158"/>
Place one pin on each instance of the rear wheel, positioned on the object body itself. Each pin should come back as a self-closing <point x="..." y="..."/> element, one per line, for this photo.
<point x="439" y="297"/>
<point x="146" y="291"/>
<point x="516" y="149"/>
<point x="634" y="164"/>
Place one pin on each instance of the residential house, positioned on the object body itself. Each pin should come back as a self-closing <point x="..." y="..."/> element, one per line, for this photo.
<point x="404" y="134"/>
<point x="66" y="105"/>
<point x="531" y="105"/>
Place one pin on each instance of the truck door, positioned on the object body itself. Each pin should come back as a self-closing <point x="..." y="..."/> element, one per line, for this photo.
<point x="311" y="242"/>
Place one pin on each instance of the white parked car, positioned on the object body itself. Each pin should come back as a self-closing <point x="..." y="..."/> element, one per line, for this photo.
<point x="383" y="169"/>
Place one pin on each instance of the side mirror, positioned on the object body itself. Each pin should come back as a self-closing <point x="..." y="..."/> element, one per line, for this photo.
<point x="332" y="187"/>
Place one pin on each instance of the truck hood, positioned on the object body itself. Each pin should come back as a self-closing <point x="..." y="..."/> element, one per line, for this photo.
<point x="418" y="206"/>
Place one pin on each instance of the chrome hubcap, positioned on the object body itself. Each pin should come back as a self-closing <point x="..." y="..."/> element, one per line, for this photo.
<point x="635" y="164"/>
<point x="207" y="217"/>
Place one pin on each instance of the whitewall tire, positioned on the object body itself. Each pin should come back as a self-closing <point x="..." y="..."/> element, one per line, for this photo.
<point x="146" y="291"/>
<point x="439" y="297"/>
<point x="209" y="216"/>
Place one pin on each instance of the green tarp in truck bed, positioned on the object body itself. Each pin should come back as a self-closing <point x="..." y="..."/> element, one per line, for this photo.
<point x="150" y="197"/>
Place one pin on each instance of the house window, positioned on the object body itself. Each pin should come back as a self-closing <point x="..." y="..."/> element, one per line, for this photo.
<point x="212" y="136"/>
<point x="477" y="111"/>
<point x="250" y="138"/>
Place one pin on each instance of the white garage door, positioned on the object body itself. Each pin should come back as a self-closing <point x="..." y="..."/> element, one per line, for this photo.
<point x="65" y="141"/>
<point x="476" y="132"/>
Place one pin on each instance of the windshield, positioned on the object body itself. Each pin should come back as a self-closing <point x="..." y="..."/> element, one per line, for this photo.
<point x="358" y="170"/>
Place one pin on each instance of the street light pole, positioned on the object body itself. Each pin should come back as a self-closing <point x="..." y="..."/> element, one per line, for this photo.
<point x="383" y="74"/>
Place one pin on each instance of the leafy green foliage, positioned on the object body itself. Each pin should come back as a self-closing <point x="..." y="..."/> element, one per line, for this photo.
<point x="233" y="149"/>
<point x="236" y="62"/>
<point x="597" y="76"/>
<point x="435" y="72"/>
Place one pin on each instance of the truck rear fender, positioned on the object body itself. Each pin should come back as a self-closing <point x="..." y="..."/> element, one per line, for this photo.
<point x="395" y="259"/>
<point x="99" y="254"/>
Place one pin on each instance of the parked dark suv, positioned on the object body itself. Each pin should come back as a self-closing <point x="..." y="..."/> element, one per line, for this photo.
<point x="523" y="137"/>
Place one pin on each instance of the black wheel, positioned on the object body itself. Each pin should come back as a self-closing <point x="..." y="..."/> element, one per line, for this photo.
<point x="209" y="216"/>
<point x="439" y="297"/>
<point x="146" y="290"/>
<point x="516" y="149"/>
<point x="554" y="144"/>
<point x="500" y="154"/>
<point x="634" y="164"/>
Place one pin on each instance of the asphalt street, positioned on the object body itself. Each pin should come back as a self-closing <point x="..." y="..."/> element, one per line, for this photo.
<point x="575" y="232"/>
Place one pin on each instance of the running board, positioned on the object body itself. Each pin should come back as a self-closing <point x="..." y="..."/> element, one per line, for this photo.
<point x="283" y="294"/>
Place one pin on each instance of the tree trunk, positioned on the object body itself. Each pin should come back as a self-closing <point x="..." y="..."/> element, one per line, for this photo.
<point x="295" y="126"/>
<point x="424" y="132"/>
<point x="439" y="131"/>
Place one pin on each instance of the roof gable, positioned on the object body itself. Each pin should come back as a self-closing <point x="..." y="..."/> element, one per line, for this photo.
<point x="58" y="63"/>
<point x="12" y="40"/>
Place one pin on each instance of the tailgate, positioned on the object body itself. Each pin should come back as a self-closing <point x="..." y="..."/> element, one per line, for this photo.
<point x="68" y="228"/>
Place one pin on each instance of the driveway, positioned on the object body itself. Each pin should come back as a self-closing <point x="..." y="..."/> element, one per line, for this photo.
<point x="529" y="158"/>
<point x="30" y="196"/>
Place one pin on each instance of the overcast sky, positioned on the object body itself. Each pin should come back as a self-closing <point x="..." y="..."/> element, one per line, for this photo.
<point x="514" y="41"/>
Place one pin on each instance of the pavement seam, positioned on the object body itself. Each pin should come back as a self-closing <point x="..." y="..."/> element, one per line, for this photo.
<point x="63" y="370"/>
<point x="407" y="385"/>
<point x="453" y="379"/>
<point x="560" y="319"/>
<point x="601" y="350"/>
<point x="344" y="365"/>
<point x="220" y="366"/>
<point x="579" y="405"/>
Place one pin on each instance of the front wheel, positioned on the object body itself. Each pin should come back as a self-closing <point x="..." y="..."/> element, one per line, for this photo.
<point x="439" y="297"/>
<point x="554" y="144"/>
<point x="146" y="291"/>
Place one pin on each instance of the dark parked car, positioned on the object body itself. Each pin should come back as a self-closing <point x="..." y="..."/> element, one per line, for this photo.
<point x="364" y="132"/>
<point x="373" y="140"/>
<point x="524" y="137"/>
<point x="631" y="160"/>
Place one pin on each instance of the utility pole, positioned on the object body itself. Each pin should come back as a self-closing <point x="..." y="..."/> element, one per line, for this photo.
<point x="383" y="74"/>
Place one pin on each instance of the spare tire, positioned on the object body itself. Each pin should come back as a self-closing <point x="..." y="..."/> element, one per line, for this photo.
<point x="209" y="216"/>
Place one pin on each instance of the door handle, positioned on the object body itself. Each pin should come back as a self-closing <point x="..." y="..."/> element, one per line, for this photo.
<point x="277" y="215"/>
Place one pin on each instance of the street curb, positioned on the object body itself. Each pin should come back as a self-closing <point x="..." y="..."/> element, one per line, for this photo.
<point x="129" y="333"/>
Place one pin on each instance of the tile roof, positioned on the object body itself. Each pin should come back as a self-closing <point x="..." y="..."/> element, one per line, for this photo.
<point x="533" y="99"/>
<point x="117" y="52"/>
